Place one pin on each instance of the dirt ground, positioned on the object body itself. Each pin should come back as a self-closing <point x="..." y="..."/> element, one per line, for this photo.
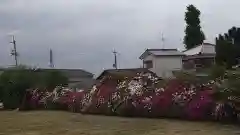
<point x="65" y="123"/>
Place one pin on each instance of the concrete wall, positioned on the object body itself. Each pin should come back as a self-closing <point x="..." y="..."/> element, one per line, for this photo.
<point x="208" y="49"/>
<point x="164" y="65"/>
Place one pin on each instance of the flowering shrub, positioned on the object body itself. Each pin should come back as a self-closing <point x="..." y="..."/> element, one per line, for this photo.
<point x="131" y="96"/>
<point x="200" y="106"/>
<point x="97" y="100"/>
<point x="61" y="98"/>
<point x="139" y="96"/>
<point x="31" y="99"/>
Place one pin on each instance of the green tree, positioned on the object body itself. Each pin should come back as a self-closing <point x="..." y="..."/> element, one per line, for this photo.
<point x="228" y="47"/>
<point x="193" y="34"/>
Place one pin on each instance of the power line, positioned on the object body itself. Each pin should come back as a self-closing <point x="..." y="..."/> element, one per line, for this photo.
<point x="14" y="50"/>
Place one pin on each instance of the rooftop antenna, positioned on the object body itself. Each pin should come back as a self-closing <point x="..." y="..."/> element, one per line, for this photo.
<point x="14" y="50"/>
<point x="115" y="59"/>
<point x="51" y="59"/>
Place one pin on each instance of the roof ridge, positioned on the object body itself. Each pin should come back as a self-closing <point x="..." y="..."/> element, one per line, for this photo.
<point x="192" y="48"/>
<point x="162" y="49"/>
<point x="161" y="52"/>
<point x="124" y="69"/>
<point x="199" y="45"/>
<point x="208" y="44"/>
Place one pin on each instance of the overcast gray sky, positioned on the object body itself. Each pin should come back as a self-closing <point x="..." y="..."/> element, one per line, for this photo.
<point x="83" y="33"/>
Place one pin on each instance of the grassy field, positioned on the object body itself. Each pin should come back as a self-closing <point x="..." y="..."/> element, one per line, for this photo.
<point x="64" y="123"/>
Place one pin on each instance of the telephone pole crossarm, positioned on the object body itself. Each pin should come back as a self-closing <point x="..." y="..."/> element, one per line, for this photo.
<point x="115" y="59"/>
<point x="14" y="51"/>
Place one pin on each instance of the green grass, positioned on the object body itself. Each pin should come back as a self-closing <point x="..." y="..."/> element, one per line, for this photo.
<point x="64" y="123"/>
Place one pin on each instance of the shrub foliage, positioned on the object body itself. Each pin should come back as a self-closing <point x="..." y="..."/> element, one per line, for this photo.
<point x="15" y="82"/>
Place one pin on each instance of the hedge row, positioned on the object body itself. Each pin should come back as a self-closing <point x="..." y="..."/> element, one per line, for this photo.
<point x="140" y="96"/>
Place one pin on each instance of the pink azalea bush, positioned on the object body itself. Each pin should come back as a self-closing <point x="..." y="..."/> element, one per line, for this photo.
<point x="97" y="100"/>
<point x="137" y="96"/>
<point x="200" y="106"/>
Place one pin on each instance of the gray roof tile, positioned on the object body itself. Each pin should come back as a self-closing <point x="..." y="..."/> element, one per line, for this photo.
<point x="161" y="52"/>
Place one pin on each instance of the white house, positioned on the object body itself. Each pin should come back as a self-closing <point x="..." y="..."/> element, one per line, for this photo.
<point x="200" y="56"/>
<point x="205" y="48"/>
<point x="162" y="61"/>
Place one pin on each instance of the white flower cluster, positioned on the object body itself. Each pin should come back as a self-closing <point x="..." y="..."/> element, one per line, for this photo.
<point x="93" y="90"/>
<point x="134" y="103"/>
<point x="218" y="112"/>
<point x="65" y="90"/>
<point x="1" y="105"/>
<point x="45" y="97"/>
<point x="147" y="99"/>
<point x="104" y="78"/>
<point x="147" y="103"/>
<point x="115" y="96"/>
<point x="159" y="90"/>
<point x="234" y="98"/>
<point x="122" y="84"/>
<point x="183" y="97"/>
<point x="138" y="84"/>
<point x="135" y="87"/>
<point x="148" y="106"/>
<point x="150" y="77"/>
<point x="54" y="96"/>
<point x="86" y="99"/>
<point x="79" y="90"/>
<point x="100" y="101"/>
<point x="58" y="92"/>
<point x="211" y="82"/>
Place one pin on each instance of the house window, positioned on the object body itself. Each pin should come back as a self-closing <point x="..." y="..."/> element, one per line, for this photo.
<point x="148" y="64"/>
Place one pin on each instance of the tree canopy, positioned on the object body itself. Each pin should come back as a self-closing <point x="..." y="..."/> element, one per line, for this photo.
<point x="193" y="33"/>
<point x="228" y="47"/>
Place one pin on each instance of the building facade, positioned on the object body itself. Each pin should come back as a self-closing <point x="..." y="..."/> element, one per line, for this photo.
<point x="201" y="56"/>
<point x="77" y="78"/>
<point x="162" y="61"/>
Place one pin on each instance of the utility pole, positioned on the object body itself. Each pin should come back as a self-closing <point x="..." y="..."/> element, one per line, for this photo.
<point x="115" y="59"/>
<point x="14" y="51"/>
<point x="51" y="59"/>
<point x="163" y="40"/>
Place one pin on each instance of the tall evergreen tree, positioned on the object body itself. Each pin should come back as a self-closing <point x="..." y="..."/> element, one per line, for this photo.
<point x="228" y="47"/>
<point x="193" y="33"/>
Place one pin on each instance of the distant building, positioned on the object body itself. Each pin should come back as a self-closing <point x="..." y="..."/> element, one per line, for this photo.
<point x="113" y="76"/>
<point x="77" y="78"/>
<point x="200" y="56"/>
<point x="120" y="74"/>
<point x="162" y="61"/>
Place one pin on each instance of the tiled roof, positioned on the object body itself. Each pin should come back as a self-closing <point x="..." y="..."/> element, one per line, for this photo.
<point x="161" y="52"/>
<point x="70" y="73"/>
<point x="82" y="83"/>
<point x="205" y="48"/>
<point x="123" y="72"/>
